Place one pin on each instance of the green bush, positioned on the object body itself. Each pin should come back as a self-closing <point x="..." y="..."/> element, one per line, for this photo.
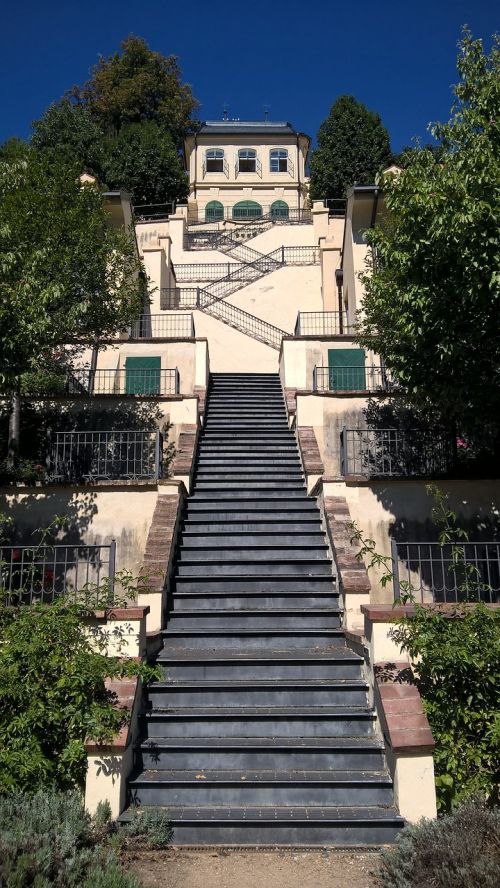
<point x="151" y="828"/>
<point x="49" y="840"/>
<point x="460" y="850"/>
<point x="53" y="695"/>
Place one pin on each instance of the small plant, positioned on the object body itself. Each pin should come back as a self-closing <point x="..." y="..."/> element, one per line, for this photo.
<point x="151" y="828"/>
<point x="460" y="850"/>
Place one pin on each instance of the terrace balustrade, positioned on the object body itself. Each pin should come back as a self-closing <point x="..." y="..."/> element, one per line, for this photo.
<point x="468" y="571"/>
<point x="322" y="323"/>
<point x="370" y="378"/>
<point x="396" y="453"/>
<point x="105" y="455"/>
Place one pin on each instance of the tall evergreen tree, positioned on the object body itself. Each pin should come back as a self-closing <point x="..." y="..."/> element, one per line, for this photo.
<point x="353" y="146"/>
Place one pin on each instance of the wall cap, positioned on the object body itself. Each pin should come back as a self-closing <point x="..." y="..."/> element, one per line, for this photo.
<point x="122" y="613"/>
<point x="383" y="613"/>
<point x="407" y="730"/>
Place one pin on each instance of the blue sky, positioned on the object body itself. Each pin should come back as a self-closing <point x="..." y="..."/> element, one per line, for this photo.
<point x="295" y="58"/>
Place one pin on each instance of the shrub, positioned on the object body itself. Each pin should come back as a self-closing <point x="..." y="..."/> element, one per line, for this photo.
<point x="460" y="850"/>
<point x="49" y="840"/>
<point x="152" y="828"/>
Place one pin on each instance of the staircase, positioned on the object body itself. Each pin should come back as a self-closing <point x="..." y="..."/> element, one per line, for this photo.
<point x="259" y="732"/>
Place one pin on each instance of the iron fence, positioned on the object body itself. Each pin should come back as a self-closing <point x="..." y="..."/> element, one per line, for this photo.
<point x="248" y="216"/>
<point x="42" y="573"/>
<point x="352" y="379"/>
<point x="242" y="320"/>
<point x="322" y="323"/>
<point x="133" y="381"/>
<point x="204" y="271"/>
<point x="163" y="327"/>
<point x="296" y="255"/>
<point x="336" y="206"/>
<point x="178" y="297"/>
<point x="468" y="571"/>
<point x="153" y="212"/>
<point x="105" y="455"/>
<point x="397" y="453"/>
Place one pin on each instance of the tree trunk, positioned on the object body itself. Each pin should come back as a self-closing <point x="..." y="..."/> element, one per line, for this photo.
<point x="14" y="428"/>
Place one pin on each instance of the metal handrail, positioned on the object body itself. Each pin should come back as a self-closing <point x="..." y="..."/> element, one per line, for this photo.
<point x="144" y="382"/>
<point x="178" y="297"/>
<point x="105" y="455"/>
<point x="160" y="326"/>
<point x="42" y="573"/>
<point x="396" y="453"/>
<point x="242" y="320"/>
<point x="322" y="323"/>
<point x="352" y="379"/>
<point x="465" y="571"/>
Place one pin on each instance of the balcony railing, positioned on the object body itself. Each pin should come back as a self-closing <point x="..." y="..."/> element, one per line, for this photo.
<point x="322" y="323"/>
<point x="204" y="271"/>
<point x="468" y="571"/>
<point x="42" y="573"/>
<point x="178" y="297"/>
<point x="396" y="453"/>
<point x="255" y="216"/>
<point x="296" y="255"/>
<point x="141" y="381"/>
<point x="163" y="327"/>
<point x="352" y="379"/>
<point x="98" y="456"/>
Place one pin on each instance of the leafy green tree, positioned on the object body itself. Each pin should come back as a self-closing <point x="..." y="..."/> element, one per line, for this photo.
<point x="432" y="303"/>
<point x="71" y="133"/>
<point x="66" y="274"/>
<point x="353" y="146"/>
<point x="13" y="149"/>
<point x="135" y="85"/>
<point x="143" y="159"/>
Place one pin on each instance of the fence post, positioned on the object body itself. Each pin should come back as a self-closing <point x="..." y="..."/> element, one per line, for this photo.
<point x="112" y="570"/>
<point x="395" y="570"/>
<point x="343" y="454"/>
<point x="315" y="380"/>
<point x="282" y="254"/>
<point x="197" y="297"/>
<point x="158" y="454"/>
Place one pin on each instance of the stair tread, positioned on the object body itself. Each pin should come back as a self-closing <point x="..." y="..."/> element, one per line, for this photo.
<point x="250" y="777"/>
<point x="340" y="654"/>
<point x="340" y="712"/>
<point x="246" y="612"/>
<point x="273" y="814"/>
<point x="274" y="684"/>
<point x="265" y="743"/>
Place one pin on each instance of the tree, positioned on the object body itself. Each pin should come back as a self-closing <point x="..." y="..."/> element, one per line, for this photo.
<point x="71" y="133"/>
<point x="66" y="274"/>
<point x="353" y="146"/>
<point x="143" y="160"/>
<point x="137" y="85"/>
<point x="432" y="303"/>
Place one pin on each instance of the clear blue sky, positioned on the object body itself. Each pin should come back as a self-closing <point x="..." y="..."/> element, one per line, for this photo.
<point x="296" y="58"/>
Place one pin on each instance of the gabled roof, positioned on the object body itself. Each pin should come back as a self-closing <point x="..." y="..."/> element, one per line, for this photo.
<point x="246" y="127"/>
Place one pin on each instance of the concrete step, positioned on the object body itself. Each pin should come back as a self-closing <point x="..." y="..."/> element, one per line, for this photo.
<point x="290" y="618"/>
<point x="253" y="540"/>
<point x="192" y="527"/>
<point x="259" y="601"/>
<point x="261" y="788"/>
<point x="353" y="754"/>
<point x="290" y="826"/>
<point x="220" y="497"/>
<point x="260" y="556"/>
<point x="246" y="476"/>
<point x="244" y="640"/>
<point x="339" y="664"/>
<point x="235" y="584"/>
<point x="217" y="568"/>
<point x="257" y="693"/>
<point x="296" y="722"/>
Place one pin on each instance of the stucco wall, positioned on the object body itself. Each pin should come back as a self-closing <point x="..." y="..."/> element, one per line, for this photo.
<point x="232" y="351"/>
<point x="328" y="415"/>
<point x="299" y="357"/>
<point x="278" y="297"/>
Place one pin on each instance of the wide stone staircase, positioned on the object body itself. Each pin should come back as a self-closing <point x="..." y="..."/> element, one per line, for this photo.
<point x="260" y="732"/>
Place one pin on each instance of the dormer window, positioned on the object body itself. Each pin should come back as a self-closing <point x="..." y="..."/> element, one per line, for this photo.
<point x="214" y="160"/>
<point x="278" y="160"/>
<point x="247" y="160"/>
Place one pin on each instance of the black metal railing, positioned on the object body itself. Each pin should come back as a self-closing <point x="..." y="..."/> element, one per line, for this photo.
<point x="468" y="571"/>
<point x="140" y="381"/>
<point x="163" y="327"/>
<point x="178" y="297"/>
<point x="242" y="320"/>
<point x="296" y="255"/>
<point x="322" y="323"/>
<point x="336" y="206"/>
<point x="153" y="212"/>
<point x="204" y="271"/>
<point x="352" y="379"/>
<point x="396" y="453"/>
<point x="42" y="573"/>
<point x="107" y="455"/>
<point x="248" y="216"/>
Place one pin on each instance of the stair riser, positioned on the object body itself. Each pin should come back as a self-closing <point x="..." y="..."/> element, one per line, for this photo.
<point x="245" y="527"/>
<point x="247" y="510"/>
<point x="259" y="621"/>
<point x="256" y="568"/>
<point x="307" y="584"/>
<point x="257" y="726"/>
<point x="203" y="793"/>
<point x="276" y="540"/>
<point x="279" y="670"/>
<point x="178" y="698"/>
<point x="273" y="641"/>
<point x="235" y="602"/>
<point x="294" y="835"/>
<point x="237" y="478"/>
<point x="258" y="759"/>
<point x="230" y="494"/>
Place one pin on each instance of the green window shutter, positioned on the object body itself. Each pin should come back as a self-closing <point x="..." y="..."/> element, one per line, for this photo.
<point x="143" y="376"/>
<point x="346" y="369"/>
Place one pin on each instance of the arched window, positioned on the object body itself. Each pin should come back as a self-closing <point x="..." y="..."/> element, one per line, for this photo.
<point x="247" y="209"/>
<point x="279" y="210"/>
<point x="214" y="160"/>
<point x="214" y="211"/>
<point x="247" y="160"/>
<point x="278" y="160"/>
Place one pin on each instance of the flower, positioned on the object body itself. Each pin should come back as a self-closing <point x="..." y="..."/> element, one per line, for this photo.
<point x="462" y="444"/>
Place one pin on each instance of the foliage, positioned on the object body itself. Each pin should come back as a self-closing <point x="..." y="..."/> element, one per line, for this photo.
<point x="432" y="303"/>
<point x="23" y="470"/>
<point x="353" y="146"/>
<point x="143" y="159"/>
<point x="65" y="272"/>
<point x="136" y="85"/>
<point x="48" y="839"/>
<point x="71" y="133"/>
<point x="460" y="850"/>
<point x="53" y="694"/>
<point x="150" y="828"/>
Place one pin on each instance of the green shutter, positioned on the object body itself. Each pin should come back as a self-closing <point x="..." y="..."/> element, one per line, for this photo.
<point x="346" y="369"/>
<point x="143" y="376"/>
